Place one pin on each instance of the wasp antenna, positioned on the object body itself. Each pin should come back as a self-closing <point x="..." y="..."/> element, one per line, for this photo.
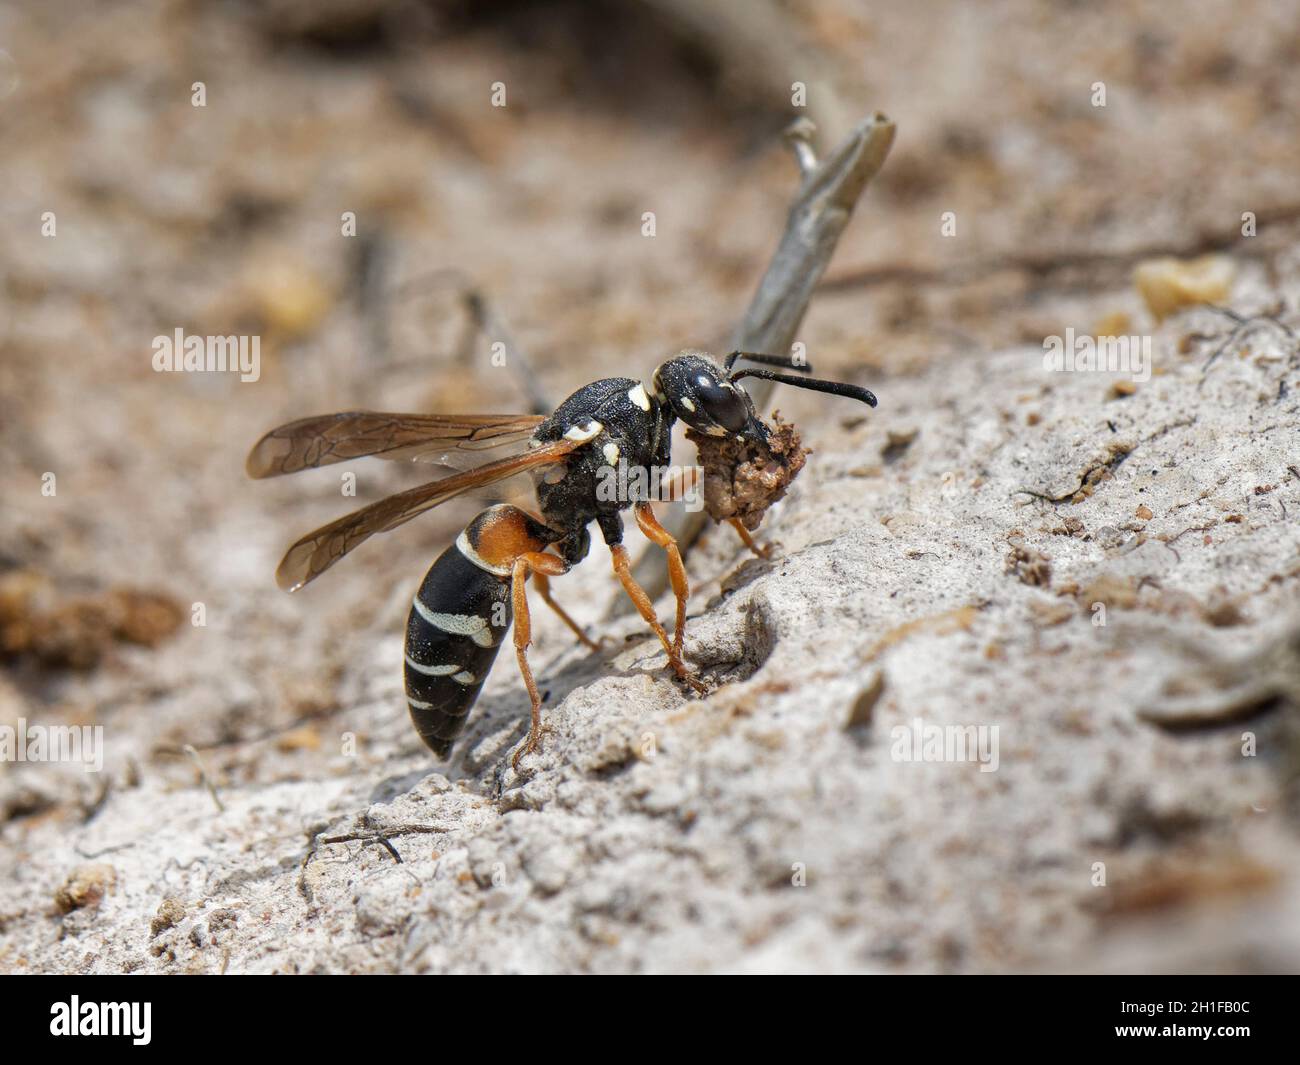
<point x="835" y="388"/>
<point x="787" y="362"/>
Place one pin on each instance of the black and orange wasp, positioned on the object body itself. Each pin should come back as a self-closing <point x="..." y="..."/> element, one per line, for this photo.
<point x="476" y="587"/>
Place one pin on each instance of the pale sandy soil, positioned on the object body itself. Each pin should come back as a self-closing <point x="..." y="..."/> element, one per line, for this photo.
<point x="768" y="826"/>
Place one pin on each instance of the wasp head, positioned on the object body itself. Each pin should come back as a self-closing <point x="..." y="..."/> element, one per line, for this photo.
<point x="701" y="394"/>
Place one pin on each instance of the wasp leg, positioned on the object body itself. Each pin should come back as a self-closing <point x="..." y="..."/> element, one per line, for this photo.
<point x="649" y="524"/>
<point x="543" y="565"/>
<point x="542" y="584"/>
<point x="623" y="570"/>
<point x="750" y="542"/>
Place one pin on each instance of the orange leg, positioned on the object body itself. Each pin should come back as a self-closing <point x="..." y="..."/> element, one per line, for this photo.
<point x="623" y="570"/>
<point x="750" y="542"/>
<point x="542" y="583"/>
<point x="542" y="564"/>
<point x="649" y="524"/>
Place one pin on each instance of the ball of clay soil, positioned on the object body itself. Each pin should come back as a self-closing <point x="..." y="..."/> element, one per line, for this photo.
<point x="742" y="478"/>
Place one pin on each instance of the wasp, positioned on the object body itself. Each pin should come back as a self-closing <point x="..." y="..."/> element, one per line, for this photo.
<point x="476" y="587"/>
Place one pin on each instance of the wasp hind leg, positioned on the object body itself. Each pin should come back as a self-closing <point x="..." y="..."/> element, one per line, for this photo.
<point x="543" y="566"/>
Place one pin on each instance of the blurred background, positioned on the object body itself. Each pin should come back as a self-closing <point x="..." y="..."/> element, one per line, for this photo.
<point x="227" y="218"/>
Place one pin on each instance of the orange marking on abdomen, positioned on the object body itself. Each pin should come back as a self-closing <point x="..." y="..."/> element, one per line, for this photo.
<point x="504" y="536"/>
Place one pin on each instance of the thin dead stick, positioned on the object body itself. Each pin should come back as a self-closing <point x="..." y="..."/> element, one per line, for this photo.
<point x="829" y="191"/>
<point x="827" y="195"/>
<point x="203" y="776"/>
<point x="381" y="838"/>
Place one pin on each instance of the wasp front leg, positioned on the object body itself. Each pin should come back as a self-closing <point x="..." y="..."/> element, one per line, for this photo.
<point x="764" y="553"/>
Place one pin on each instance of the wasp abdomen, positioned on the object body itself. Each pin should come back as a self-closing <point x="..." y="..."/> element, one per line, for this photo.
<point x="456" y="624"/>
<point x="459" y="618"/>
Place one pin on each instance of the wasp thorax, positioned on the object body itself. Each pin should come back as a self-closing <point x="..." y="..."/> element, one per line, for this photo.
<point x="700" y="394"/>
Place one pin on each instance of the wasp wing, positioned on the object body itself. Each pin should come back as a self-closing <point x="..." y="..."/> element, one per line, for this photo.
<point x="328" y="438"/>
<point x="317" y="551"/>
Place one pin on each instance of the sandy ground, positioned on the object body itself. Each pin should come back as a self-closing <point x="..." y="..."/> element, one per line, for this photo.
<point x="1099" y="574"/>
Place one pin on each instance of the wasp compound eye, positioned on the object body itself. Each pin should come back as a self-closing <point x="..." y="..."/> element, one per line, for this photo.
<point x="724" y="405"/>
